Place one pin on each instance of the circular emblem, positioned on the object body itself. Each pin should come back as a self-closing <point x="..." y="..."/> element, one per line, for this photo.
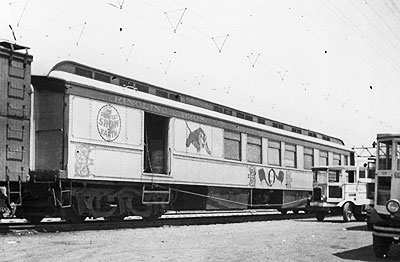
<point x="108" y="123"/>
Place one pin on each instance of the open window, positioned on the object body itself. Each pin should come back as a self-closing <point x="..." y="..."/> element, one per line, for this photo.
<point x="155" y="143"/>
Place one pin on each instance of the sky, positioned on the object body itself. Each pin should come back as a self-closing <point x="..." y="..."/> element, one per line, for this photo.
<point x="331" y="66"/>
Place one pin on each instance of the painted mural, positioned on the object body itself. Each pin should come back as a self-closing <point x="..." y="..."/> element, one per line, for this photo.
<point x="269" y="177"/>
<point x="198" y="139"/>
<point x="83" y="160"/>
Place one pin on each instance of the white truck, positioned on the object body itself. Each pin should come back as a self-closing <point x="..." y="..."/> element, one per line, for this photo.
<point x="346" y="190"/>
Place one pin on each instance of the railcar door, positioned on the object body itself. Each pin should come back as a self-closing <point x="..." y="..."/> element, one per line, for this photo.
<point x="156" y="144"/>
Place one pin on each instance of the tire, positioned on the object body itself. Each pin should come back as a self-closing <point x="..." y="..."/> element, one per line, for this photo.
<point x="347" y="212"/>
<point x="320" y="216"/>
<point x="381" y="246"/>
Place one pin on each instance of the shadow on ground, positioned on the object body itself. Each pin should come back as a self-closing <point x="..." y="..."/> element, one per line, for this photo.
<point x="367" y="254"/>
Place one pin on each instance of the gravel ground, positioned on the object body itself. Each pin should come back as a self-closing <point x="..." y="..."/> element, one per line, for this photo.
<point x="288" y="240"/>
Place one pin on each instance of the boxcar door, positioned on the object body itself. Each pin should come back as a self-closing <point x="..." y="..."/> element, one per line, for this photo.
<point x="155" y="144"/>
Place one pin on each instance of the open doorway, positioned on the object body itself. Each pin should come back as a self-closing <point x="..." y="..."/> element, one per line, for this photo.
<point x="155" y="143"/>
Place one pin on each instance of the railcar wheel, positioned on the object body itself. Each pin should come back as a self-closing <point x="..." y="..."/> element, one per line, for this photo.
<point x="72" y="214"/>
<point x="115" y="218"/>
<point x="33" y="219"/>
<point x="347" y="212"/>
<point x="156" y="212"/>
<point x="295" y="211"/>
<point x="320" y="216"/>
<point x="381" y="246"/>
<point x="283" y="211"/>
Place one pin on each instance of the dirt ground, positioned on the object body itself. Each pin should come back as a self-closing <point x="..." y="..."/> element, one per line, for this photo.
<point x="288" y="240"/>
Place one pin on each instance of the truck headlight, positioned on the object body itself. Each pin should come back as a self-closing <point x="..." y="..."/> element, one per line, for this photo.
<point x="393" y="206"/>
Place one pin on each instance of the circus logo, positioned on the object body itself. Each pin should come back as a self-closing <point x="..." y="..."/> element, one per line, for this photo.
<point x="271" y="176"/>
<point x="198" y="139"/>
<point x="108" y="123"/>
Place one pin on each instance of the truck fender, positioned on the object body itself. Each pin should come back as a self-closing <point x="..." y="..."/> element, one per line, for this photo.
<point x="341" y="203"/>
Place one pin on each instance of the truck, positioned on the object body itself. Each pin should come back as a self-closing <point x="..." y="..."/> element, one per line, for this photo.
<point x="342" y="189"/>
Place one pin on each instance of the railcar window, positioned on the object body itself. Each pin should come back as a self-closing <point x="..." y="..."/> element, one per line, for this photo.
<point x="274" y="153"/>
<point x="83" y="72"/>
<point x="290" y="155"/>
<point x="296" y="130"/>
<point x="227" y="111"/>
<point x="312" y="134"/>
<point x="308" y="158"/>
<point x="385" y="155"/>
<point x="336" y="160"/>
<point x="161" y="93"/>
<point x="277" y="125"/>
<point x="240" y="115"/>
<point x="102" y="77"/>
<point x="232" y="145"/>
<point x="323" y="158"/>
<point x="254" y="149"/>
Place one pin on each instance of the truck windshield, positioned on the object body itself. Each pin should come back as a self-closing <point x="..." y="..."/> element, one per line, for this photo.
<point x="385" y="155"/>
<point x="334" y="176"/>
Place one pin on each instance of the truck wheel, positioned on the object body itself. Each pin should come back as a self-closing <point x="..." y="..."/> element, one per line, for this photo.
<point x="347" y="212"/>
<point x="320" y="216"/>
<point x="381" y="246"/>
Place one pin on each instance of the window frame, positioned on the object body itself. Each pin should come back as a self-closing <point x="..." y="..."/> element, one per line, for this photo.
<point x="235" y="137"/>
<point x="290" y="148"/>
<point x="274" y="145"/>
<point x="254" y="142"/>
<point x="307" y="153"/>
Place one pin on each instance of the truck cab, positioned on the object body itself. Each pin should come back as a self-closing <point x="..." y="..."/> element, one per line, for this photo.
<point x="385" y="216"/>
<point x="346" y="190"/>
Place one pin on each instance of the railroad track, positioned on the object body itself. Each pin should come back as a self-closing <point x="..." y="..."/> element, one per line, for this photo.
<point x="169" y="219"/>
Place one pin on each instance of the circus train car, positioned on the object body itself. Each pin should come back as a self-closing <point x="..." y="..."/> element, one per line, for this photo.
<point x="15" y="119"/>
<point x="107" y="146"/>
